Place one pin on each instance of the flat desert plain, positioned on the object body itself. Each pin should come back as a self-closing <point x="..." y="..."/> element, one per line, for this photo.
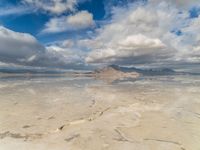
<point x="82" y="113"/>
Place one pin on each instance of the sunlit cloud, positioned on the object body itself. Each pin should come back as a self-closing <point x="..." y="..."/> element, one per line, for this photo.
<point x="78" y="21"/>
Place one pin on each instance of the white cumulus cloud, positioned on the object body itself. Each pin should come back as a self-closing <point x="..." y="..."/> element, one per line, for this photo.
<point x="16" y="47"/>
<point x="78" y="21"/>
<point x="53" y="6"/>
<point x="183" y="4"/>
<point x="147" y="34"/>
<point x="132" y="46"/>
<point x="24" y="49"/>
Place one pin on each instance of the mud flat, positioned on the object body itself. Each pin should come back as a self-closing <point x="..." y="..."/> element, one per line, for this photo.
<point x="157" y="113"/>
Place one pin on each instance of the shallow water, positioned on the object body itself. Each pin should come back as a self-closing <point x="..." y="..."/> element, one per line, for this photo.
<point x="59" y="113"/>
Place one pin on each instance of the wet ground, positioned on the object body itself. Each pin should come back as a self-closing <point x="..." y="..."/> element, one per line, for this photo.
<point x="59" y="113"/>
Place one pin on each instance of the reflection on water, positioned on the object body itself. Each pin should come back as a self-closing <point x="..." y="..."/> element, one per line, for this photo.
<point x="63" y="112"/>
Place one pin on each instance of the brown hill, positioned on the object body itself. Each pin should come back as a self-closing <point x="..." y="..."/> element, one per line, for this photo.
<point x="111" y="73"/>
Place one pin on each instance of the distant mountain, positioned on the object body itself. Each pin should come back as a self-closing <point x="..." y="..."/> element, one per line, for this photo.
<point x="112" y="73"/>
<point x="156" y="71"/>
<point x="108" y="71"/>
<point x="115" y="72"/>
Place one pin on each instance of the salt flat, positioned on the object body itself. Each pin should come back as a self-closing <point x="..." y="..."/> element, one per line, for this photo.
<point x="63" y="113"/>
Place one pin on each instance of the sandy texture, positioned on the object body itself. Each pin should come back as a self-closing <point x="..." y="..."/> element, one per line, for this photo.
<point x="159" y="113"/>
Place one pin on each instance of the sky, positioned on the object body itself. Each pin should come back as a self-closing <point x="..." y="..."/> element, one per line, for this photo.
<point x="79" y="34"/>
